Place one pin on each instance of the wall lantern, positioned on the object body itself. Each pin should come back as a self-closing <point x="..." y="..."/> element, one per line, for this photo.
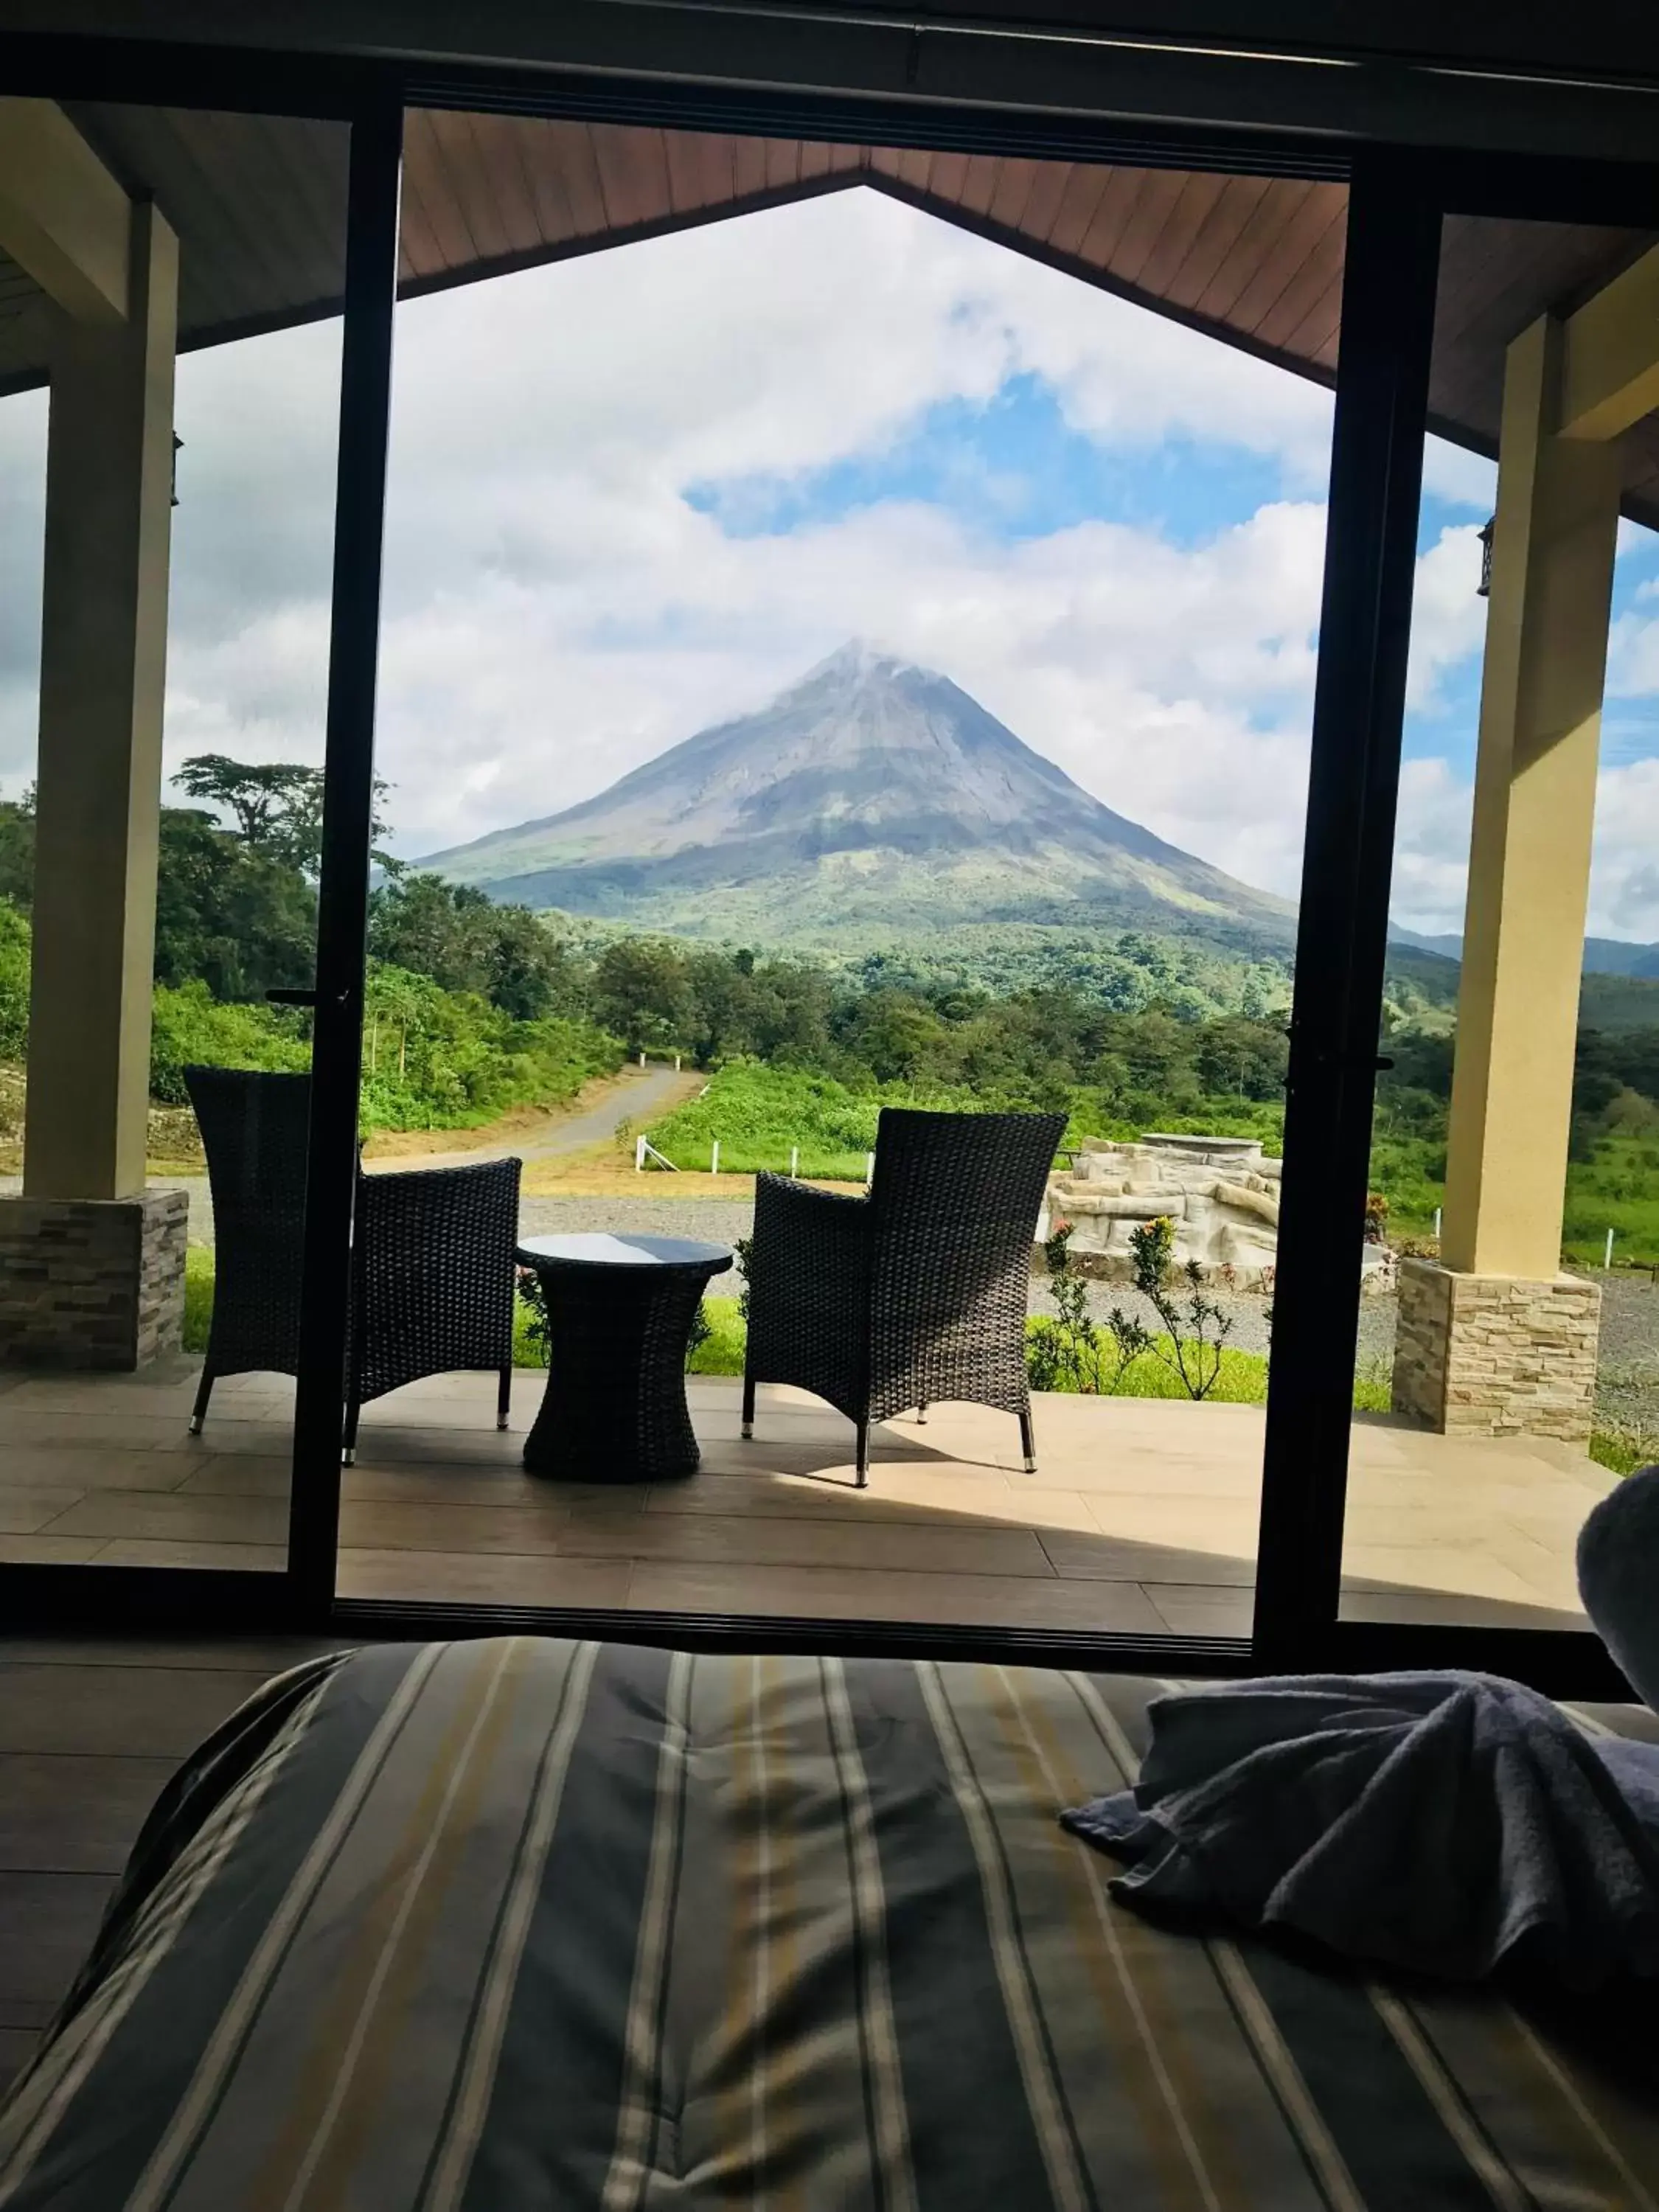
<point x="178" y="447"/>
<point x="1485" y="585"/>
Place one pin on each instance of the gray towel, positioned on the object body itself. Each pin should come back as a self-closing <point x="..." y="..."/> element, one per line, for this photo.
<point x="1450" y="1824"/>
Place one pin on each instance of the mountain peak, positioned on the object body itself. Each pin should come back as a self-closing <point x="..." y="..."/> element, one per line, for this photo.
<point x="854" y="662"/>
<point x="870" y="790"/>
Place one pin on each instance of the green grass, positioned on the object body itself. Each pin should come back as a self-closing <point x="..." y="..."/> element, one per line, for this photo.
<point x="758" y="1114"/>
<point x="1617" y="1189"/>
<point x="1243" y="1380"/>
<point x="762" y="1113"/>
<point x="198" y="1296"/>
<point x="1621" y="1449"/>
<point x="721" y="1352"/>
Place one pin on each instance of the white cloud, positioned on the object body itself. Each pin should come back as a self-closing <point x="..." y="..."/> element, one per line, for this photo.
<point x="23" y="521"/>
<point x="1432" y="853"/>
<point x="1449" y="616"/>
<point x="1460" y="477"/>
<point x="556" y="610"/>
<point x="1431" y="846"/>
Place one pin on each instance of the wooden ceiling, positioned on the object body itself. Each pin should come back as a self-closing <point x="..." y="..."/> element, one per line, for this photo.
<point x="259" y="205"/>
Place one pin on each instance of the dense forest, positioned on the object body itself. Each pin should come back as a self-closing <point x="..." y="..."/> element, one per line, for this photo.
<point x="466" y="1013"/>
<point x="474" y="1007"/>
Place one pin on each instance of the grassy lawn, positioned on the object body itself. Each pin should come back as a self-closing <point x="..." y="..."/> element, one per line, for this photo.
<point x="1621" y="1449"/>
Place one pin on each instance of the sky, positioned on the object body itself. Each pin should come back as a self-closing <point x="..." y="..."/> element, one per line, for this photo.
<point x="634" y="493"/>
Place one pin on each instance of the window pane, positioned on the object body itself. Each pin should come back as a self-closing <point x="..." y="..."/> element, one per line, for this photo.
<point x="120" y="1277"/>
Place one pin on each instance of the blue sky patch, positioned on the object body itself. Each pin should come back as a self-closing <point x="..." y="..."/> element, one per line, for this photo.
<point x="1010" y="469"/>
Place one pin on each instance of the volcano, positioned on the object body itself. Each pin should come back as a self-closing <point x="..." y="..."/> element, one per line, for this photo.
<point x="872" y="797"/>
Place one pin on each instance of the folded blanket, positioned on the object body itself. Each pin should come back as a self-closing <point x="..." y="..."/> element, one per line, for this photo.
<point x="1445" y="1823"/>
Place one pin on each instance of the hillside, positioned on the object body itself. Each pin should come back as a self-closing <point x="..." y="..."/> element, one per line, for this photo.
<point x="873" y="801"/>
<point x="1603" y="956"/>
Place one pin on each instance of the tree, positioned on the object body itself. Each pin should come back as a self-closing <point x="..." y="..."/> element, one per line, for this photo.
<point x="17" y="849"/>
<point x="13" y="980"/>
<point x="228" y="915"/>
<point x="259" y="795"/>
<point x="277" y="805"/>
<point x="640" y="992"/>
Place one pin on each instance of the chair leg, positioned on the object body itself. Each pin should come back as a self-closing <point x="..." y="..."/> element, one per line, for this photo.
<point x="504" y="1398"/>
<point x="348" y="1448"/>
<point x="863" y="1455"/>
<point x="1027" y="1441"/>
<point x="748" y="1406"/>
<point x="204" y="1392"/>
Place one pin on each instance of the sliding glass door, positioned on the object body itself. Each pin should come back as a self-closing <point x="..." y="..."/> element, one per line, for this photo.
<point x="864" y="627"/>
<point x="174" y="452"/>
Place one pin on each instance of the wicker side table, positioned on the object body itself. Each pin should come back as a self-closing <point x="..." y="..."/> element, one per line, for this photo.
<point x="619" y="1311"/>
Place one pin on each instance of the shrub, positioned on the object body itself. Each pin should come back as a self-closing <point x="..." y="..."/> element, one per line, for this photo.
<point x="191" y="1027"/>
<point x="13" y="980"/>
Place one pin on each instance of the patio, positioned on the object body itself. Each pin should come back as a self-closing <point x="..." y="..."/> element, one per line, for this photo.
<point x="1141" y="1519"/>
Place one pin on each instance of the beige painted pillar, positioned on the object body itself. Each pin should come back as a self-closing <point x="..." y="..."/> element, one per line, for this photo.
<point x="1495" y="1339"/>
<point x="1534" y="809"/>
<point x="109" y="476"/>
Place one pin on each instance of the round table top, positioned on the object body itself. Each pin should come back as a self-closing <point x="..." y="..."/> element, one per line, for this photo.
<point x="600" y="1249"/>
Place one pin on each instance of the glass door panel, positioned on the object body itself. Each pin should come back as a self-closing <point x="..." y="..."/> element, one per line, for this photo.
<point x="891" y="689"/>
<point x="156" y="1077"/>
<point x="1505" y="1372"/>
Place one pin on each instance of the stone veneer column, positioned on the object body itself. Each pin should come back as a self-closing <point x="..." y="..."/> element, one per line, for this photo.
<point x="91" y="1283"/>
<point x="1494" y="1355"/>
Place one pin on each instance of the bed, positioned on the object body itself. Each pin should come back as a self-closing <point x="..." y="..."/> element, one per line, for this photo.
<point x="522" y="1924"/>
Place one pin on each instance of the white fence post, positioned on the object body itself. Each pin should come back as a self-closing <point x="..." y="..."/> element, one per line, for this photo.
<point x="677" y="1063"/>
<point x="641" y="1060"/>
<point x="639" y="1155"/>
<point x="794" y="1159"/>
<point x="869" y="1167"/>
<point x="1437" y="1221"/>
<point x="1607" y="1262"/>
<point x="715" y="1159"/>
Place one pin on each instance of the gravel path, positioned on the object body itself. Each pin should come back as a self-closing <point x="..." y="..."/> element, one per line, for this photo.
<point x="719" y="1220"/>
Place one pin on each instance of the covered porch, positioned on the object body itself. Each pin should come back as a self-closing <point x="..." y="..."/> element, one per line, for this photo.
<point x="122" y="241"/>
<point x="1141" y="1518"/>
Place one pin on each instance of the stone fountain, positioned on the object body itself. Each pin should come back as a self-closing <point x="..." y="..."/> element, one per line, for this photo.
<point x="1221" y="1193"/>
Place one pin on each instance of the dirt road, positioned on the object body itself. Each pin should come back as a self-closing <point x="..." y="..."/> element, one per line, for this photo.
<point x="637" y="1095"/>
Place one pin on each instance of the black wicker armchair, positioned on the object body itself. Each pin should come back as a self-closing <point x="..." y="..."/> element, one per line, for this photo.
<point x="433" y="1270"/>
<point x="915" y="1294"/>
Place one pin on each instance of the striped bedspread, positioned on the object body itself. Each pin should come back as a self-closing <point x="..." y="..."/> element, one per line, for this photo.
<point x="533" y="1926"/>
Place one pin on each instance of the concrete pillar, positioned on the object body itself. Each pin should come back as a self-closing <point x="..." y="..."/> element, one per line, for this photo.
<point x="92" y="1266"/>
<point x="109" y="476"/>
<point x="1517" y="1017"/>
<point x="1534" y="810"/>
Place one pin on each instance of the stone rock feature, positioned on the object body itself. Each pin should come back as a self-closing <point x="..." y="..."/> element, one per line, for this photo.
<point x="1494" y="1356"/>
<point x="91" y="1283"/>
<point x="1220" y="1192"/>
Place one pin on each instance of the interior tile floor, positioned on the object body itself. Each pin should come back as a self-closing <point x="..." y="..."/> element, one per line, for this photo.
<point x="1141" y="1517"/>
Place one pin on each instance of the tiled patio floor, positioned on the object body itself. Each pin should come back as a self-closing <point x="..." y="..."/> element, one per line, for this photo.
<point x="1141" y="1518"/>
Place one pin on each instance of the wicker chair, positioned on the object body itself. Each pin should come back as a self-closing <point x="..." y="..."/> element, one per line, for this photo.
<point x="432" y="1257"/>
<point x="917" y="1293"/>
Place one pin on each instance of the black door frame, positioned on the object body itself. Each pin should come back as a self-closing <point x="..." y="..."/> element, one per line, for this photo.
<point x="1396" y="199"/>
